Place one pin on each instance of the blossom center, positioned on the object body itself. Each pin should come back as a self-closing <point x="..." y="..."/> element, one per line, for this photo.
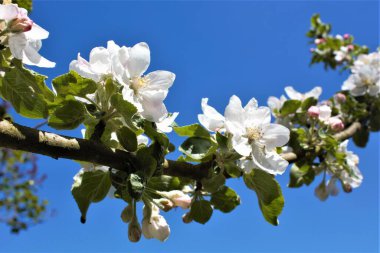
<point x="138" y="82"/>
<point x="253" y="133"/>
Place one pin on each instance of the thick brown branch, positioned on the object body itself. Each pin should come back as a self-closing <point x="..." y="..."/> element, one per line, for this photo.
<point x="27" y="139"/>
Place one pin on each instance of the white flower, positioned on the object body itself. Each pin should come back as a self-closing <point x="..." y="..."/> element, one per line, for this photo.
<point x="178" y="198"/>
<point x="253" y="135"/>
<point x="295" y="95"/>
<point x="147" y="92"/>
<point x="165" y="125"/>
<point x="211" y="119"/>
<point x="102" y="63"/>
<point x="24" y="41"/>
<point x="353" y="178"/>
<point x="155" y="225"/>
<point x="341" y="54"/>
<point x="365" y="77"/>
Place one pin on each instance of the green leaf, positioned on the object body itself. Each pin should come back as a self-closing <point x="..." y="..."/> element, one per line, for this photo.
<point x="74" y="84"/>
<point x="268" y="192"/>
<point x="167" y="183"/>
<point x="192" y="130"/>
<point x="68" y="116"/>
<point x="225" y="199"/>
<point x="301" y="175"/>
<point x="201" y="211"/>
<point x="307" y="103"/>
<point x="197" y="148"/>
<point x="289" y="107"/>
<point x="127" y="139"/>
<point x="90" y="187"/>
<point x="126" y="110"/>
<point x="147" y="164"/>
<point x="26" y="91"/>
<point x="151" y="131"/>
<point x="214" y="183"/>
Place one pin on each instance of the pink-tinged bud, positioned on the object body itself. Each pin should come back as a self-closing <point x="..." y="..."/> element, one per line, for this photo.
<point x="127" y="214"/>
<point x="22" y="24"/>
<point x="347" y="188"/>
<point x="178" y="198"/>
<point x="313" y="111"/>
<point x="336" y="124"/>
<point x="186" y="218"/>
<point x="312" y="50"/>
<point x="346" y="36"/>
<point x="340" y="98"/>
<point x="319" y="41"/>
<point x="350" y="47"/>
<point x="134" y="230"/>
<point x="166" y="204"/>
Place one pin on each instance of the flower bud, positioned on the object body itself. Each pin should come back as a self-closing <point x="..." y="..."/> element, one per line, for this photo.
<point x="321" y="192"/>
<point x="319" y="41"/>
<point x="127" y="214"/>
<point x="21" y="24"/>
<point x="155" y="226"/>
<point x="340" y="98"/>
<point x="347" y="188"/>
<point x="346" y="36"/>
<point x="186" y="218"/>
<point x="350" y="48"/>
<point x="313" y="111"/>
<point x="336" y="124"/>
<point x="178" y="198"/>
<point x="134" y="230"/>
<point x="166" y="204"/>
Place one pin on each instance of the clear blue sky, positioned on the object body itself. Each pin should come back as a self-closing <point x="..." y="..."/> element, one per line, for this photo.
<point x="216" y="49"/>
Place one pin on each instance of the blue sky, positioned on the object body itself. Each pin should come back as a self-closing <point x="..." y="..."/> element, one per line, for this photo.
<point x="216" y="49"/>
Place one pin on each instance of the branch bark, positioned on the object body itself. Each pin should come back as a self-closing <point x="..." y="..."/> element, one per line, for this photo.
<point x="15" y="136"/>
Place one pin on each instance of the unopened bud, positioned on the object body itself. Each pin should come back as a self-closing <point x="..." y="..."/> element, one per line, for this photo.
<point x="340" y="98"/>
<point x="22" y="24"/>
<point x="134" y="230"/>
<point x="336" y="124"/>
<point x="166" y="204"/>
<point x="313" y="111"/>
<point x="347" y="188"/>
<point x="127" y="214"/>
<point x="178" y="198"/>
<point x="346" y="36"/>
<point x="350" y="47"/>
<point x="186" y="218"/>
<point x="319" y="41"/>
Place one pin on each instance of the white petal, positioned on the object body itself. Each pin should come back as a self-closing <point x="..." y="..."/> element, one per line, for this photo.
<point x="17" y="44"/>
<point x="292" y="93"/>
<point x="160" y="80"/>
<point x="268" y="161"/>
<point x="274" y="103"/>
<point x="32" y="57"/>
<point x="166" y="124"/>
<point x="139" y="59"/>
<point x="154" y="111"/>
<point x="142" y="139"/>
<point x="316" y="92"/>
<point x="82" y="67"/>
<point x="8" y="11"/>
<point x="210" y="119"/>
<point x="324" y="113"/>
<point x="100" y="61"/>
<point x="37" y="33"/>
<point x="234" y="111"/>
<point x="251" y="105"/>
<point x="260" y="116"/>
<point x="275" y="135"/>
<point x="234" y="128"/>
<point x="246" y="165"/>
<point x="241" y="146"/>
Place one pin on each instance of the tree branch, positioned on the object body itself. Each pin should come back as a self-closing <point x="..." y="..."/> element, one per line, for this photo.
<point x="27" y="139"/>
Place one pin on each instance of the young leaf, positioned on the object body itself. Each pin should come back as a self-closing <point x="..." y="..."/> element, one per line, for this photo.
<point x="201" y="211"/>
<point x="68" y="116"/>
<point x="268" y="192"/>
<point x="126" y="110"/>
<point x="289" y="107"/>
<point x="225" y="199"/>
<point x="73" y="84"/>
<point x="90" y="187"/>
<point x="127" y="139"/>
<point x="192" y="130"/>
<point x="197" y="148"/>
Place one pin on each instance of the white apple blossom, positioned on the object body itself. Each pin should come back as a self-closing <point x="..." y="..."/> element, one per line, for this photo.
<point x="23" y="36"/>
<point x="211" y="119"/>
<point x="354" y="177"/>
<point x="155" y="225"/>
<point x="295" y="95"/>
<point x="341" y="54"/>
<point x="147" y="92"/>
<point x="276" y="104"/>
<point x="255" y="137"/>
<point x="365" y="77"/>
